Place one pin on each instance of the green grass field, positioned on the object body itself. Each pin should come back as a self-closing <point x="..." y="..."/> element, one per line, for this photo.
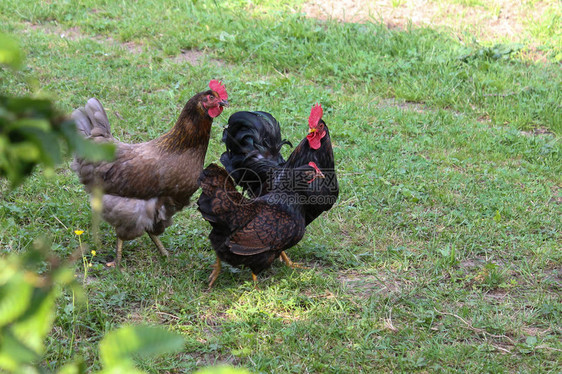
<point x="443" y="252"/>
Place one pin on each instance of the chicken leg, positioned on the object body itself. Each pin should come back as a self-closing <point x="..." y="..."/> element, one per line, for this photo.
<point x="255" y="279"/>
<point x="155" y="240"/>
<point x="159" y="245"/>
<point x="290" y="263"/>
<point x="215" y="274"/>
<point x="119" y="252"/>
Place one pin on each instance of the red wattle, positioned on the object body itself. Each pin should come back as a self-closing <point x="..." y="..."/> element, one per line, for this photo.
<point x="215" y="112"/>
<point x="314" y="140"/>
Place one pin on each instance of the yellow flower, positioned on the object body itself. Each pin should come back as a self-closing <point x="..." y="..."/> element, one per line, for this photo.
<point x="89" y="265"/>
<point x="78" y="232"/>
<point x="93" y="253"/>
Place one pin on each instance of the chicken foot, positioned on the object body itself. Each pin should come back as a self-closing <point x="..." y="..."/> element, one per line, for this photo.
<point x="215" y="274"/>
<point x="119" y="252"/>
<point x="290" y="263"/>
<point x="159" y="245"/>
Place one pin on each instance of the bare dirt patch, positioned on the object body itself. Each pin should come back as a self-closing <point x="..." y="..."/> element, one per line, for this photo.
<point x="365" y="285"/>
<point x="472" y="263"/>
<point x="496" y="296"/>
<point x="74" y="34"/>
<point x="404" y="105"/>
<point x="485" y="19"/>
<point x="537" y="131"/>
<point x="195" y="57"/>
<point x="191" y="56"/>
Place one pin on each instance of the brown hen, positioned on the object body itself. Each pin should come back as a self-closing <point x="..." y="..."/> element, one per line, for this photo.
<point x="147" y="183"/>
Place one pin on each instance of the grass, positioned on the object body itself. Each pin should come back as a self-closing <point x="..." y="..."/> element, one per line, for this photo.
<point x="442" y="252"/>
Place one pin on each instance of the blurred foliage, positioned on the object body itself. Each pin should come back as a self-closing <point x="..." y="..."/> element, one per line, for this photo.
<point x="119" y="347"/>
<point x="32" y="132"/>
<point x="27" y="305"/>
<point x="10" y="53"/>
<point x="27" y="311"/>
<point x="222" y="370"/>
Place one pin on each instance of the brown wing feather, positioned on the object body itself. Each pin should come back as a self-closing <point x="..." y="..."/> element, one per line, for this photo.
<point x="166" y="166"/>
<point x="268" y="230"/>
<point x="144" y="171"/>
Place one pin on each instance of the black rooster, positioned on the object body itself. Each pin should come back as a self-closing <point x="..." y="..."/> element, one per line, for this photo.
<point x="253" y="155"/>
<point x="253" y="143"/>
<point x="254" y="232"/>
<point x="253" y="150"/>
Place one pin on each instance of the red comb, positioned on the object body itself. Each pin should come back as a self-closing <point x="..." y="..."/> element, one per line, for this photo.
<point x="313" y="164"/>
<point x="317" y="170"/>
<point x="217" y="86"/>
<point x="315" y="115"/>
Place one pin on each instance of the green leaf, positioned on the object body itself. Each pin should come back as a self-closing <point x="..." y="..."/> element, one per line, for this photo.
<point x="34" y="123"/>
<point x="123" y="368"/>
<point x="222" y="369"/>
<point x="47" y="143"/>
<point x="27" y="309"/>
<point x="14" y="352"/>
<point x="85" y="148"/>
<point x="36" y="323"/>
<point x="120" y="346"/>
<point x="10" y="52"/>
<point x="76" y="367"/>
<point x="26" y="151"/>
<point x="531" y="340"/>
<point x="15" y="296"/>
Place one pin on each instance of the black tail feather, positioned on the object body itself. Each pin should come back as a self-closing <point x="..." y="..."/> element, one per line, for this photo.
<point x="253" y="142"/>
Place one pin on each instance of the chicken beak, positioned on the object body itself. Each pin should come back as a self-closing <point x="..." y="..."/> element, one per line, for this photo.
<point x="223" y="103"/>
<point x="314" y="129"/>
<point x="317" y="174"/>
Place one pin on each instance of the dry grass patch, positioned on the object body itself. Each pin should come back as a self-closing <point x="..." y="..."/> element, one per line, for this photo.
<point x="496" y="18"/>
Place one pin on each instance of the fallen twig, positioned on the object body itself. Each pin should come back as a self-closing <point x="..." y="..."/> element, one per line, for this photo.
<point x="476" y="329"/>
<point x="167" y="314"/>
<point x="501" y="349"/>
<point x="388" y="322"/>
<point x="542" y="346"/>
